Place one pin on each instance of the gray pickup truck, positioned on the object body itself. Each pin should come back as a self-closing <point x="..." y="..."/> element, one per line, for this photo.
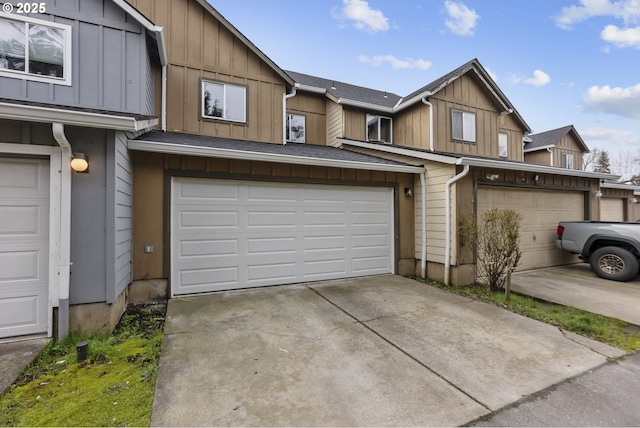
<point x="611" y="249"/>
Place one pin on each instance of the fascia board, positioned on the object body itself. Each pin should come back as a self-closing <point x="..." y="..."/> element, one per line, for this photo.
<point x="401" y="151"/>
<point x="487" y="163"/>
<point x="536" y="149"/>
<point x="150" y="26"/>
<point x="542" y="169"/>
<point x="620" y="186"/>
<point x="74" y="118"/>
<point x="180" y="149"/>
<point x="368" y="106"/>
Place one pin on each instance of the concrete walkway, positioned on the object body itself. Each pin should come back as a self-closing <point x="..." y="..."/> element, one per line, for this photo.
<point x="15" y="356"/>
<point x="383" y="351"/>
<point x="577" y="286"/>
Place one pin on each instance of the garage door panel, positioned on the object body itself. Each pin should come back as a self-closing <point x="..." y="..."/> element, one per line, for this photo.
<point x="541" y="211"/>
<point x="611" y="209"/>
<point x="24" y="246"/>
<point x="285" y="233"/>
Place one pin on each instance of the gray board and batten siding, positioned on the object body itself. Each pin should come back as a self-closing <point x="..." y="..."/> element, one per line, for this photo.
<point x="111" y="64"/>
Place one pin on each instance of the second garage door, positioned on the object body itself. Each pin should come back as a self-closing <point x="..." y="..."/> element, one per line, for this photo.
<point x="611" y="209"/>
<point x="541" y="211"/>
<point x="229" y="234"/>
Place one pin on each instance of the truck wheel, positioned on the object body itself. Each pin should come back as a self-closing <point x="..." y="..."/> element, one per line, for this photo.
<point x="614" y="263"/>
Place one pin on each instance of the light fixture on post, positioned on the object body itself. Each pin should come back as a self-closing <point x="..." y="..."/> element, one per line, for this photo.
<point x="80" y="162"/>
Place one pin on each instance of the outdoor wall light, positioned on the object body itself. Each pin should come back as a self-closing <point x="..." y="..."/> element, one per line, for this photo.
<point x="80" y="162"/>
<point x="408" y="192"/>
<point x="597" y="194"/>
<point x="634" y="200"/>
<point x="492" y="177"/>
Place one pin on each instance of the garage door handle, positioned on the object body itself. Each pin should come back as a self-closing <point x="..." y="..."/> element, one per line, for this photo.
<point x="534" y="238"/>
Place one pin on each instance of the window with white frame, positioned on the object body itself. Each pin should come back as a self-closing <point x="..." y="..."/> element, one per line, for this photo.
<point x="34" y="49"/>
<point x="567" y="160"/>
<point x="503" y="145"/>
<point x="463" y="126"/>
<point x="378" y="128"/>
<point x="224" y="101"/>
<point x="296" y="128"/>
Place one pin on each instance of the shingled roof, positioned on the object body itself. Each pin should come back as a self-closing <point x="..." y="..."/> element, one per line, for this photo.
<point x="545" y="139"/>
<point x="391" y="103"/>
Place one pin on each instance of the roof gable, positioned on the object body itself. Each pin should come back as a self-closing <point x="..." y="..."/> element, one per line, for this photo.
<point x="245" y="40"/>
<point x="550" y="138"/>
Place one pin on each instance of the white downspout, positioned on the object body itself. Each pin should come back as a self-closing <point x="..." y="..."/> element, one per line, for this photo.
<point x="285" y="97"/>
<point x="550" y="150"/>
<point x="447" y="245"/>
<point x="65" y="230"/>
<point x="164" y="98"/>
<point x="423" y="222"/>
<point x="424" y="101"/>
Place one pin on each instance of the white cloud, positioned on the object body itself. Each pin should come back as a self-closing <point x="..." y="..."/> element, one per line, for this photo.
<point x="627" y="10"/>
<point x="396" y="63"/>
<point x="540" y="78"/>
<point x="462" y="20"/>
<point x="624" y="102"/>
<point x="621" y="37"/>
<point x="363" y="16"/>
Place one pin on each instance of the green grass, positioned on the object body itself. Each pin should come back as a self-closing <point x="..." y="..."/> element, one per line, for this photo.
<point x="114" y="386"/>
<point x="604" y="329"/>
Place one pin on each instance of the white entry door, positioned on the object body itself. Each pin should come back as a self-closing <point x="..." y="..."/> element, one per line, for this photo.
<point x="24" y="246"/>
<point x="228" y="234"/>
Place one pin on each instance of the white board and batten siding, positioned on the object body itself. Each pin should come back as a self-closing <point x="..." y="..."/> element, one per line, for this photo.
<point x="24" y="246"/>
<point x="231" y="234"/>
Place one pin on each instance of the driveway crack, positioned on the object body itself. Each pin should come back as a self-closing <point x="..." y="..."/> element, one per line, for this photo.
<point x="398" y="348"/>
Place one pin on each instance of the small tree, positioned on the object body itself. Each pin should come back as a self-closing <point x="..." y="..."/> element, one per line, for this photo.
<point x="602" y="163"/>
<point x="496" y="243"/>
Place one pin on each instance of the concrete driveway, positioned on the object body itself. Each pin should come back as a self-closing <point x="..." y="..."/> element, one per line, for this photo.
<point x="577" y="286"/>
<point x="383" y="351"/>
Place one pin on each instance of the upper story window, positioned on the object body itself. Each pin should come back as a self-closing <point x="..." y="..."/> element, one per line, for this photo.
<point x="378" y="128"/>
<point x="34" y="49"/>
<point x="463" y="126"/>
<point x="567" y="160"/>
<point x="296" y="128"/>
<point x="224" y="101"/>
<point x="503" y="145"/>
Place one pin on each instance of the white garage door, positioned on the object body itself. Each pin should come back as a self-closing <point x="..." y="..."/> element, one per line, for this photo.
<point x="228" y="234"/>
<point x="541" y="211"/>
<point x="24" y="246"/>
<point x="611" y="209"/>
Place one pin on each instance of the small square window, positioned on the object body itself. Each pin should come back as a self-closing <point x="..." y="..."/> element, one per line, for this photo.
<point x="35" y="50"/>
<point x="503" y="145"/>
<point x="296" y="128"/>
<point x="379" y="128"/>
<point x="224" y="101"/>
<point x="463" y="126"/>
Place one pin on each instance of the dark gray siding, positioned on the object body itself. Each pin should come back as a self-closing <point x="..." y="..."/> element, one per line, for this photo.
<point x="109" y="56"/>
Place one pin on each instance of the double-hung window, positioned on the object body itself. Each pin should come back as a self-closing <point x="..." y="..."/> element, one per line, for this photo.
<point x="34" y="49"/>
<point x="463" y="126"/>
<point x="296" y="128"/>
<point x="567" y="160"/>
<point x="224" y="101"/>
<point x="379" y="128"/>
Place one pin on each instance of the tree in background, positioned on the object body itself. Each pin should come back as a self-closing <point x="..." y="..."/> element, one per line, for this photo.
<point x="602" y="163"/>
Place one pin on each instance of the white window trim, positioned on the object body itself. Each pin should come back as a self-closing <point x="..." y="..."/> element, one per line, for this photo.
<point x="303" y="140"/>
<point x="66" y="80"/>
<point x="224" y="85"/>
<point x="465" y="138"/>
<point x="366" y="127"/>
<point x="503" y="142"/>
<point x="567" y="160"/>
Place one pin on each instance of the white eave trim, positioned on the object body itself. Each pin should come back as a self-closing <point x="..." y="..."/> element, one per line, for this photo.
<point x="74" y="118"/>
<point x="150" y="26"/>
<point x="535" y="149"/>
<point x="181" y="149"/>
<point x="622" y="186"/>
<point x="479" y="162"/>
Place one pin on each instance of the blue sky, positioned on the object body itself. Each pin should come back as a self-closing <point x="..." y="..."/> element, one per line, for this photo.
<point x="560" y="62"/>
